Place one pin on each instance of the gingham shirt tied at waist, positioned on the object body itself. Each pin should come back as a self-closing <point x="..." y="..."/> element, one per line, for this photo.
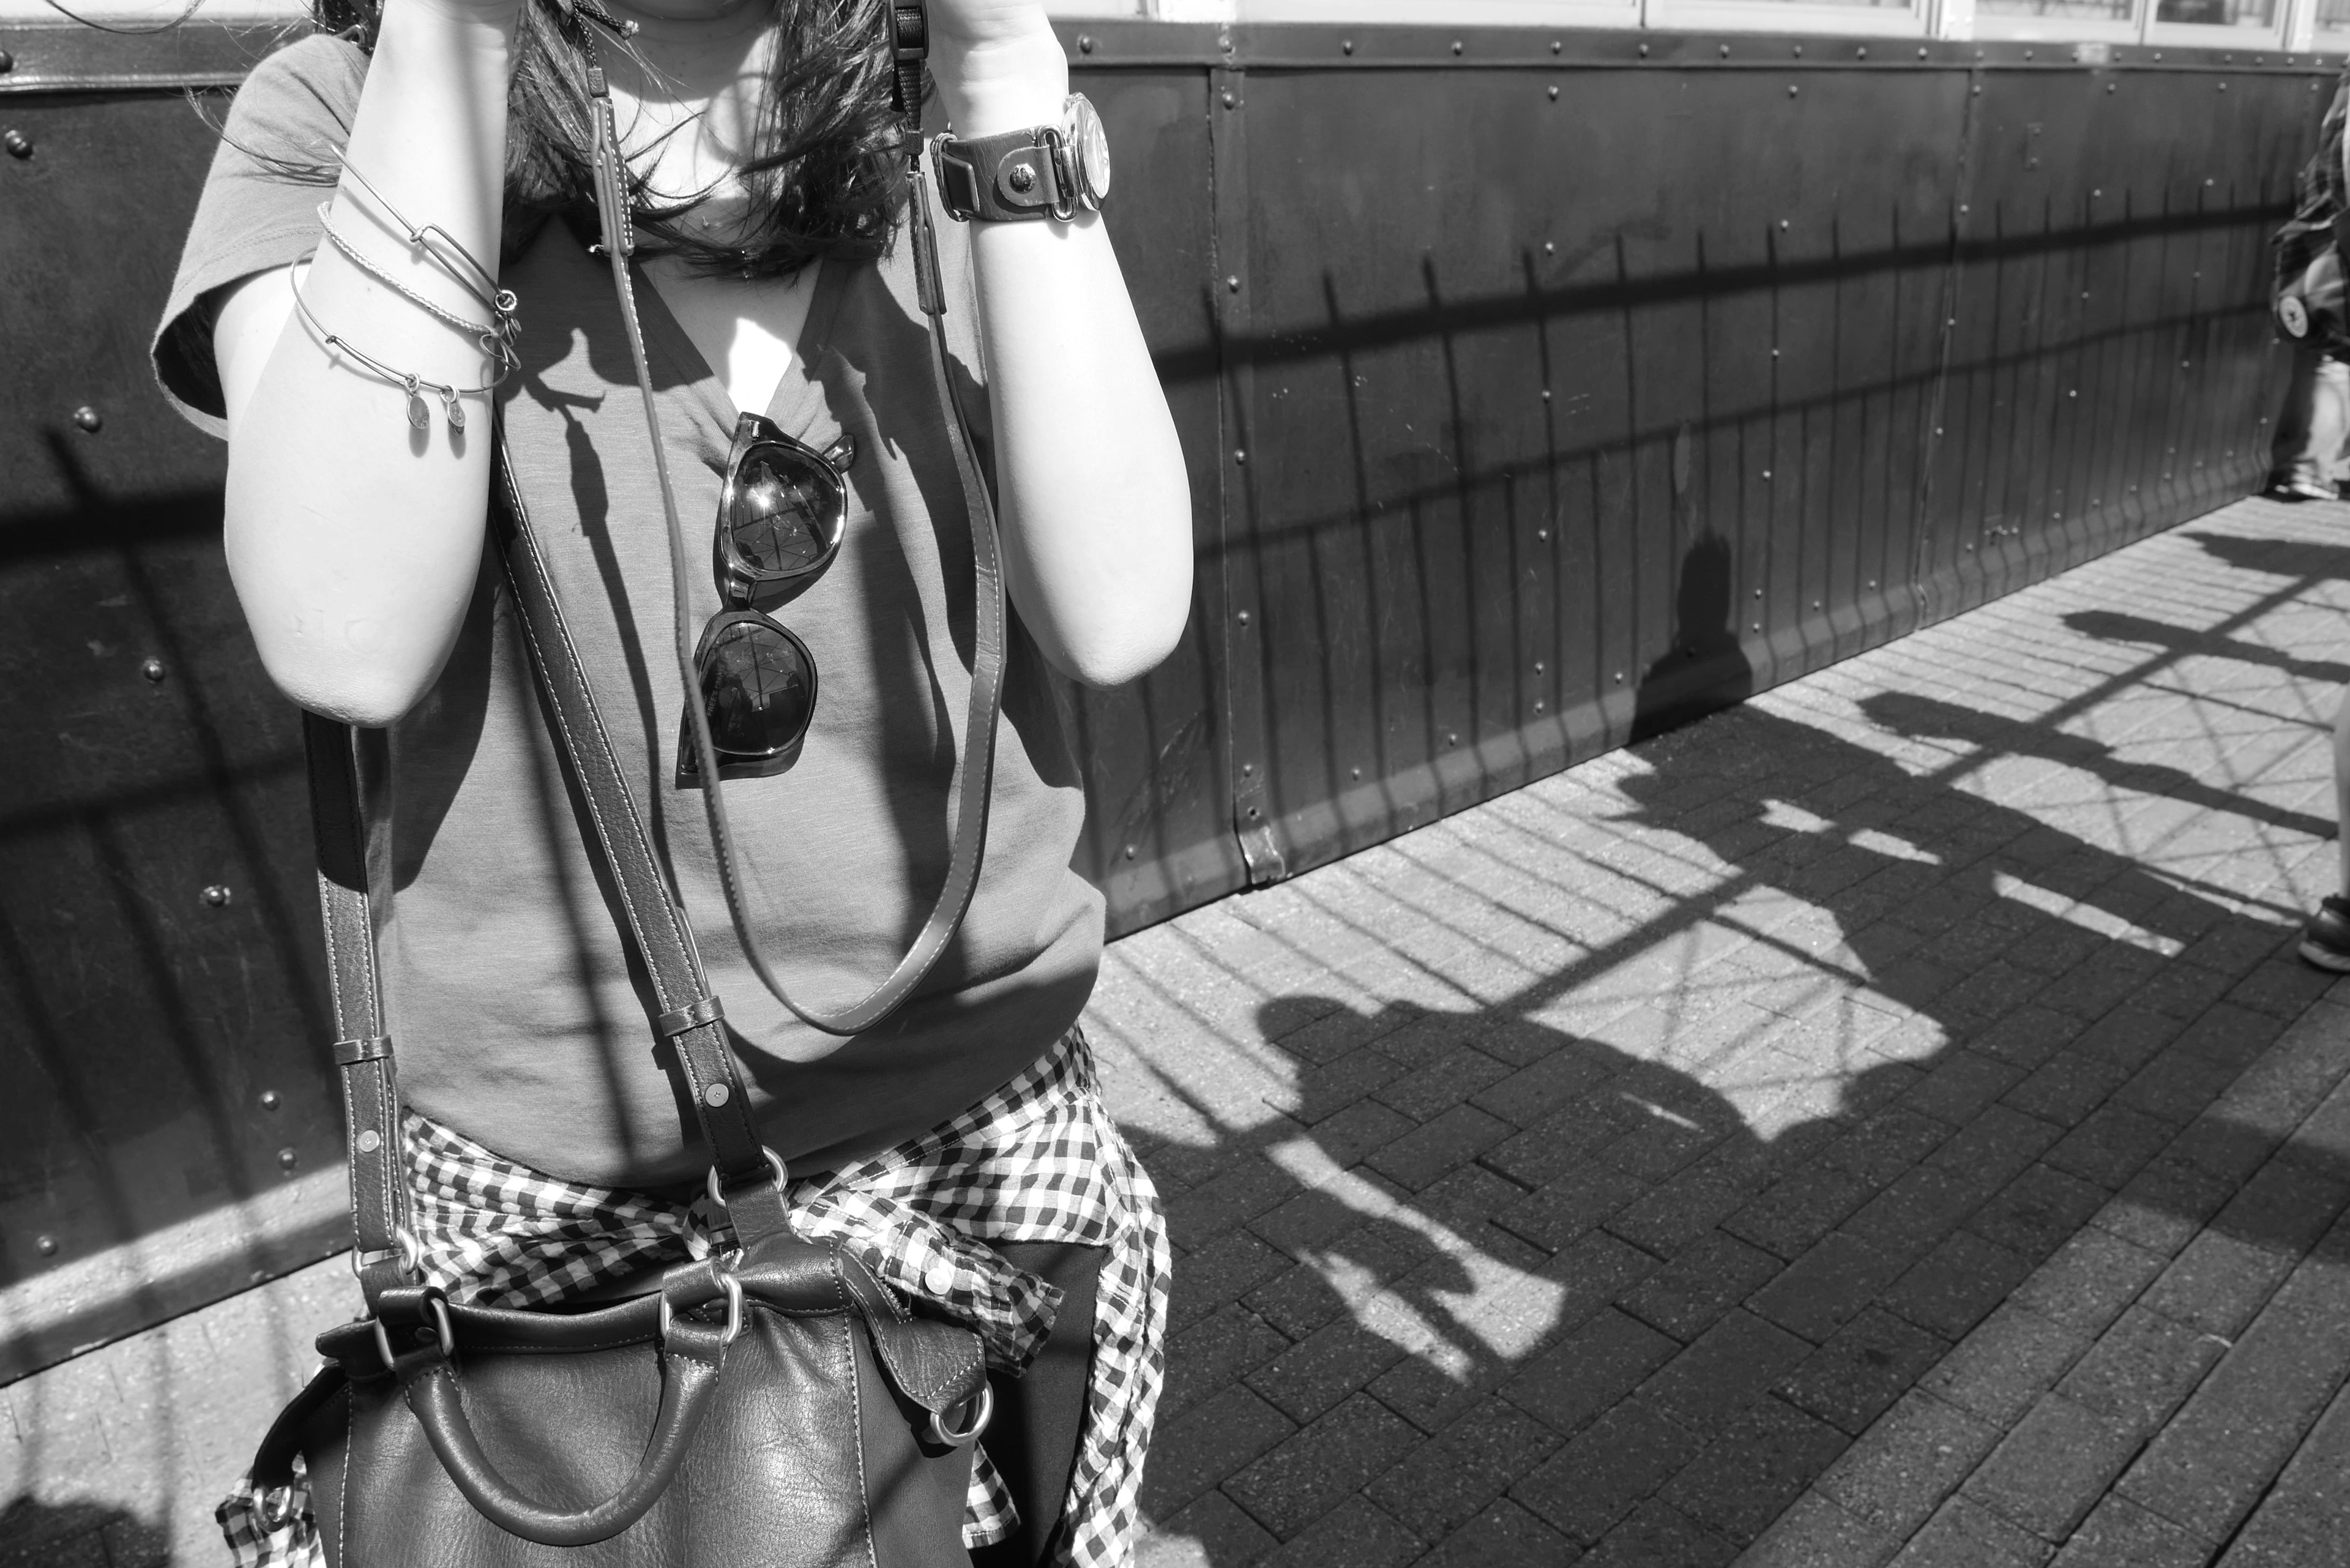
<point x="1040" y="1159"/>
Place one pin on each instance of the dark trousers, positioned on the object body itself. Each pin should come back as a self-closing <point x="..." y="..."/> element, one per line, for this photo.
<point x="1032" y="1437"/>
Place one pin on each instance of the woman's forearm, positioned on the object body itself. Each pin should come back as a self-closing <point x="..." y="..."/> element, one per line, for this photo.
<point x="354" y="538"/>
<point x="1096" y="503"/>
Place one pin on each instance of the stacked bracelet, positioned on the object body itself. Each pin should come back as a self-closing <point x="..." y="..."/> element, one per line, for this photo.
<point x="414" y="385"/>
<point x="495" y="335"/>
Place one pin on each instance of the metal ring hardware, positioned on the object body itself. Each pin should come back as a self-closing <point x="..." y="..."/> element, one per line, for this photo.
<point x="733" y="1312"/>
<point x="364" y="1048"/>
<point x="774" y="1163"/>
<point x="277" y="1507"/>
<point x="444" y="1335"/>
<point x="985" y="1400"/>
<point x="410" y="1254"/>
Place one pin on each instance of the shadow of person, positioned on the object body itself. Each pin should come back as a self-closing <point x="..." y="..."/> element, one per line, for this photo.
<point x="2278" y="557"/>
<point x="37" y="1531"/>
<point x="2116" y="626"/>
<point x="1706" y="670"/>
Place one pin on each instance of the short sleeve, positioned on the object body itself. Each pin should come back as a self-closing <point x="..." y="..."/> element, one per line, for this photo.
<point x="260" y="204"/>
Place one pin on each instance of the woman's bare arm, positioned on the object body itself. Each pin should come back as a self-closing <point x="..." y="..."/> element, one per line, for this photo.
<point x="1096" y="507"/>
<point x="353" y="539"/>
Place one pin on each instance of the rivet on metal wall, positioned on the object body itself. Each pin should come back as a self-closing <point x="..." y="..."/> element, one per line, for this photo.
<point x="1644" y="55"/>
<point x="1542" y="535"/>
<point x="1232" y="284"/>
<point x="1725" y="51"/>
<point x="89" y="419"/>
<point x="152" y="668"/>
<point x="1758" y="626"/>
<point x="1861" y="53"/>
<point x="1872" y="582"/>
<point x="1553" y="95"/>
<point x="1248" y="770"/>
<point x="1550" y="248"/>
<point x="1545" y="394"/>
<point x="268" y="1099"/>
<point x="1085" y="45"/>
<point x="1619" y="678"/>
<point x="8" y="62"/>
<point x="1783" y="226"/>
<point x="1456" y="45"/>
<point x="1976" y="91"/>
<point x="1921" y="52"/>
<point x="1555" y="45"/>
<point x="1129" y="852"/>
<point x="2223" y="86"/>
<point x="2157" y="56"/>
<point x="287" y="1160"/>
<point x="2027" y="54"/>
<point x="1793" y="89"/>
<point x="1766" y="473"/>
<point x="45" y="1245"/>
<point x="18" y="144"/>
<point x="2109" y="86"/>
<point x="217" y="895"/>
<point x="1240" y="454"/>
<point x="1539" y="667"/>
<point x="1228" y="99"/>
<point x="1355" y="772"/>
<point x="1451" y="739"/>
<point x="1242" y="617"/>
<point x="1345" y="46"/>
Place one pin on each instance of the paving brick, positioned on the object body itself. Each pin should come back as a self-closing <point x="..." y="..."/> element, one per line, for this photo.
<point x="1824" y="1288"/>
<point x="1656" y="1532"/>
<point x="1527" y="1097"/>
<point x="2136" y="1032"/>
<point x="1904" y="1465"/>
<point x="1792" y="1215"/>
<point x="1615" y="1463"/>
<point x="1213" y="1353"/>
<point x="1708" y="1278"/>
<point x="1758" y="1464"/>
<point x="2037" y="1212"/>
<point x="1818" y="1533"/>
<point x="1575" y="1203"/>
<point x="1220" y="1272"/>
<point x="1443" y="1484"/>
<point x="1307" y="1222"/>
<point x="1317" y="1468"/>
<point x="1322" y="1368"/>
<point x="1727" y="1369"/>
<point x="2027" y="1036"/>
<point x="2048" y="1472"/>
<point x="1354" y="1534"/>
<point x="2118" y="1534"/>
<point x="1504" y="1534"/>
<point x="1576" y="1379"/>
<point x="2209" y="1467"/>
<point x="1965" y="1534"/>
<point x="2285" y="1206"/>
<point x="2068" y="1087"/>
<point x="2165" y="1206"/>
<point x="2089" y="1281"/>
<point x="1693" y="1202"/>
<point x="1213" y="1439"/>
<point x="1359" y="1129"/>
<point x="1995" y="1148"/>
<point x="1960" y="1085"/>
<point x="2141" y="1369"/>
<point x="2176" y="1085"/>
<point x="1858" y="1373"/>
<point x="1561" y="1141"/>
<point x="1881" y="1148"/>
<point x="1241" y="1192"/>
<point x="1224" y="1532"/>
<point x="1907" y="1217"/>
<point x="2219" y="1282"/>
<point x="2305" y="1517"/>
<point x="1430" y="1090"/>
<point x="2111" y="1145"/>
<point x="1956" y="1285"/>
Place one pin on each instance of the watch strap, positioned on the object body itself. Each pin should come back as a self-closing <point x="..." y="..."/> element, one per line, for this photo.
<point x="1011" y="175"/>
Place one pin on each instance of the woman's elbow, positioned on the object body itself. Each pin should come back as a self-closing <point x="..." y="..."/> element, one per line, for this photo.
<point x="373" y="694"/>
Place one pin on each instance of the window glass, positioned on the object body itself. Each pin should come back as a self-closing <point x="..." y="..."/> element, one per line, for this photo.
<point x="2218" y="13"/>
<point x="2063" y="10"/>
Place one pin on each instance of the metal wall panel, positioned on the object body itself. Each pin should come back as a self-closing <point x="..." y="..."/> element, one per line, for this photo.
<point x="1540" y="389"/>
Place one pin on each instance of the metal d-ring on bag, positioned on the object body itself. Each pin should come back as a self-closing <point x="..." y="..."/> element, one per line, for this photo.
<point x="780" y="1408"/>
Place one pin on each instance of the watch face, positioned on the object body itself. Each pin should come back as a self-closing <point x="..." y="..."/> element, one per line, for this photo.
<point x="1088" y="149"/>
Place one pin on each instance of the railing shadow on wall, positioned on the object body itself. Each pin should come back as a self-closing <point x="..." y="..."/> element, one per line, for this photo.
<point x="1535" y="401"/>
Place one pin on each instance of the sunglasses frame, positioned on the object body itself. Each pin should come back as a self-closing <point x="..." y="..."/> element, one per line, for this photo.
<point x="739" y="583"/>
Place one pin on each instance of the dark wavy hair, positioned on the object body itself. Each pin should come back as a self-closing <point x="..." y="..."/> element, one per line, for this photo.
<point x="828" y="180"/>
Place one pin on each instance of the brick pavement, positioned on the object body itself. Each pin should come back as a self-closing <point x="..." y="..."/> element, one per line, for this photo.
<point x="1882" y="1123"/>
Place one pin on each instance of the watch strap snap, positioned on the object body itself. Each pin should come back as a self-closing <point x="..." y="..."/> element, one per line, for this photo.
<point x="1007" y="177"/>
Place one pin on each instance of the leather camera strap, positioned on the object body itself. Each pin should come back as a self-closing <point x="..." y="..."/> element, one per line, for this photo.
<point x="976" y="767"/>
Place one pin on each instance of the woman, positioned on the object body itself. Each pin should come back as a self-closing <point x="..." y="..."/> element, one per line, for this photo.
<point x="397" y="236"/>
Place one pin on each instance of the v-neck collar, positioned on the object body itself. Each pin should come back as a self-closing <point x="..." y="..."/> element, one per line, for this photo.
<point x="798" y="397"/>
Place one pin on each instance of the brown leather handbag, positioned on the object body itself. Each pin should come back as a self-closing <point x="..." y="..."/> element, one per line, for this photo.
<point x="779" y="1407"/>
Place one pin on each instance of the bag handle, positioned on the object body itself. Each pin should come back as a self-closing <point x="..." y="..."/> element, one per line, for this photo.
<point x="690" y="1354"/>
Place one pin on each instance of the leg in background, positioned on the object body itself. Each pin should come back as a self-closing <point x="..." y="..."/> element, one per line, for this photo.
<point x="2305" y="459"/>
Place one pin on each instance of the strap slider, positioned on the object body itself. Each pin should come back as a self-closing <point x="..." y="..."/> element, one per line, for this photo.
<point x="702" y="1010"/>
<point x="365" y="1048"/>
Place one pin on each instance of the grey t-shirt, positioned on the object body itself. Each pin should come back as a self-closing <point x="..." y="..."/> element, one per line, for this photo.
<point x="512" y="1005"/>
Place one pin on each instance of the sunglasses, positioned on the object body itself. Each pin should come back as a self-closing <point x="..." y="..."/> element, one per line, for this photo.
<point x="780" y="521"/>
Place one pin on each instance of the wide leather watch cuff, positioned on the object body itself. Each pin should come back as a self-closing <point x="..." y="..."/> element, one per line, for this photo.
<point x="1009" y="176"/>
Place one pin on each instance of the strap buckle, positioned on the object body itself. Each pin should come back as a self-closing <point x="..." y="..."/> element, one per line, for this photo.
<point x="444" y="1337"/>
<point x="734" y="1311"/>
<point x="702" y="1010"/>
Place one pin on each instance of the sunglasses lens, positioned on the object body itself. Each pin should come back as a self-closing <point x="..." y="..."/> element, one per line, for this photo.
<point x="782" y="518"/>
<point x="757" y="688"/>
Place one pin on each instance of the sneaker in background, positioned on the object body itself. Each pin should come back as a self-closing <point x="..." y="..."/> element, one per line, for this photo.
<point x="2326" y="941"/>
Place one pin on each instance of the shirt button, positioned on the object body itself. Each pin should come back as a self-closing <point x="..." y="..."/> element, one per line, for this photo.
<point x="939" y="1278"/>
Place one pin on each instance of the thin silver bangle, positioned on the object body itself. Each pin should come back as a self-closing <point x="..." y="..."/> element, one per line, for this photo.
<point x="495" y="336"/>
<point x="414" y="385"/>
<point x="498" y="301"/>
